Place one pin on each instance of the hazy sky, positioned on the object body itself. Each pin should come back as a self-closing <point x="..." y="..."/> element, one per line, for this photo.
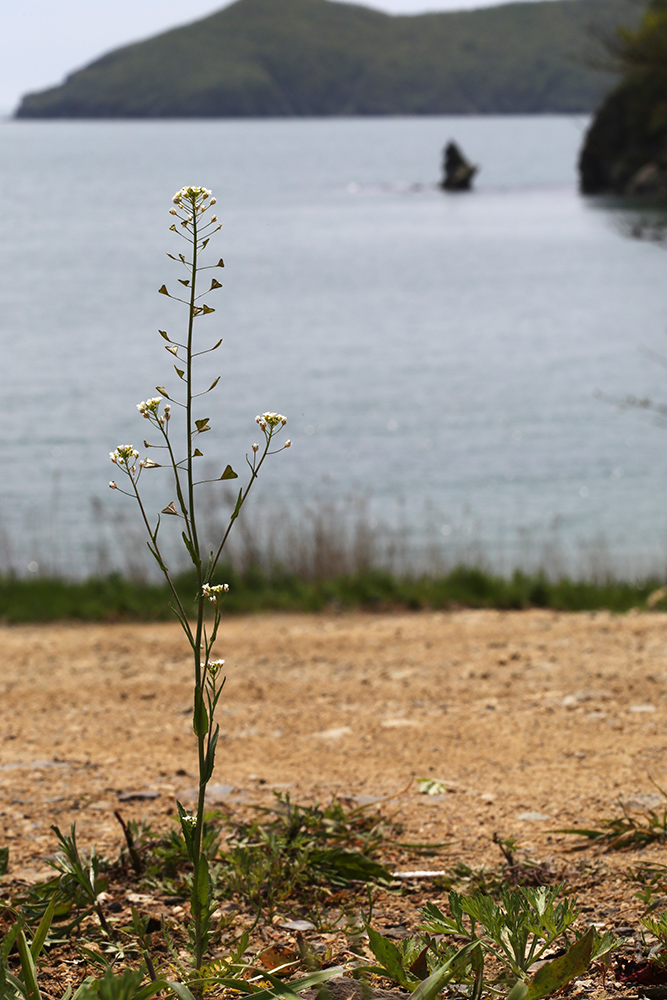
<point x="41" y="40"/>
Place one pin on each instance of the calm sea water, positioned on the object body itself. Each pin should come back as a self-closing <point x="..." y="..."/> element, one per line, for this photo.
<point x="437" y="355"/>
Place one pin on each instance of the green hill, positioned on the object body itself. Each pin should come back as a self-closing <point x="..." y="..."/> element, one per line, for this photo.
<point x="317" y="57"/>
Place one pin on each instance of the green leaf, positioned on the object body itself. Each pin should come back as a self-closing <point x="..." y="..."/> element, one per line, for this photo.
<point x="206" y="310"/>
<point x="203" y="882"/>
<point x="199" y="715"/>
<point x="194" y="555"/>
<point x="210" y="757"/>
<point x="430" y="987"/>
<point x="239" y="504"/>
<point x="229" y="473"/>
<point x="388" y="956"/>
<point x="352" y="866"/>
<point x="4" y="860"/>
<point x="555" y="975"/>
<point x="163" y="291"/>
<point x="42" y="931"/>
<point x="179" y="990"/>
<point x="28" y="969"/>
<point x="518" y="992"/>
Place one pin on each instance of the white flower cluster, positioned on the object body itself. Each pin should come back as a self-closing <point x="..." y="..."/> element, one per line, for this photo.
<point x="149" y="408"/>
<point x="214" y="667"/>
<point x="212" y="592"/>
<point x="271" y="420"/>
<point x="124" y="455"/>
<point x="193" y="201"/>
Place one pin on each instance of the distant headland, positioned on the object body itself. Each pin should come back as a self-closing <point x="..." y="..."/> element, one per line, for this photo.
<point x="270" y="58"/>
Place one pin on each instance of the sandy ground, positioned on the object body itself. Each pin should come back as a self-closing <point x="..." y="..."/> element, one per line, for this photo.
<point x="534" y="720"/>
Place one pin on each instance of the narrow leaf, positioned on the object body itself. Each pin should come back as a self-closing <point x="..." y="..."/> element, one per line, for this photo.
<point x="214" y="383"/>
<point x="429" y="988"/>
<point x="180" y="990"/>
<point x="4" y="860"/>
<point x="171" y="257"/>
<point x="199" y="715"/>
<point x="229" y="473"/>
<point x="193" y="554"/>
<point x="210" y="756"/>
<point x="239" y="504"/>
<point x="216" y="346"/>
<point x="207" y="309"/>
<point x="203" y="882"/>
<point x="28" y="968"/>
<point x="171" y="509"/>
<point x="42" y="931"/>
<point x="555" y="975"/>
<point x="163" y="291"/>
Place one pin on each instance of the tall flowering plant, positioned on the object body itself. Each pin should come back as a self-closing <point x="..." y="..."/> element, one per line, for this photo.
<point x="191" y="206"/>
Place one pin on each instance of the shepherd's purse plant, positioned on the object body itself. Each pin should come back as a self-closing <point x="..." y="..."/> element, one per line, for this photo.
<point x="196" y="225"/>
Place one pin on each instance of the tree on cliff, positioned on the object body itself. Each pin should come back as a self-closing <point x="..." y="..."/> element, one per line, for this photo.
<point x="625" y="151"/>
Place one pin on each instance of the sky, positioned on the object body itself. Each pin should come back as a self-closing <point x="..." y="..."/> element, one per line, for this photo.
<point x="42" y="41"/>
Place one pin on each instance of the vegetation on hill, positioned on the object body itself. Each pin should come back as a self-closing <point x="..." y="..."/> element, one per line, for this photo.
<point x="625" y="151"/>
<point x="317" y="57"/>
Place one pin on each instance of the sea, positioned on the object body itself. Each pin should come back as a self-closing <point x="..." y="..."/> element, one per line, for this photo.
<point x="455" y="368"/>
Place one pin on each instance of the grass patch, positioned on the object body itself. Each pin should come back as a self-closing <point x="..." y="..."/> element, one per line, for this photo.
<point x="255" y="588"/>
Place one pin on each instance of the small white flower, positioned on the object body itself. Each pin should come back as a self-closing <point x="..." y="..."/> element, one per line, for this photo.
<point x="214" y="667"/>
<point x="212" y="592"/>
<point x="288" y="444"/>
<point x="149" y="407"/>
<point x="112" y="485"/>
<point x="255" y="447"/>
<point x="273" y="419"/>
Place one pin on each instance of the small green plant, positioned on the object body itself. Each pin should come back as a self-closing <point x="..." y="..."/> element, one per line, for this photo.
<point x="515" y="933"/>
<point x="626" y="832"/>
<point x="190" y="208"/>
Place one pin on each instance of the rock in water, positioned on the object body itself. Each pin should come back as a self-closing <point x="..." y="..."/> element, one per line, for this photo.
<point x="457" y="171"/>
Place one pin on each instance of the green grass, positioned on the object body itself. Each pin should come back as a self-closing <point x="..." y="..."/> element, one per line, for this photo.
<point x="115" y="598"/>
<point x="317" y="57"/>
